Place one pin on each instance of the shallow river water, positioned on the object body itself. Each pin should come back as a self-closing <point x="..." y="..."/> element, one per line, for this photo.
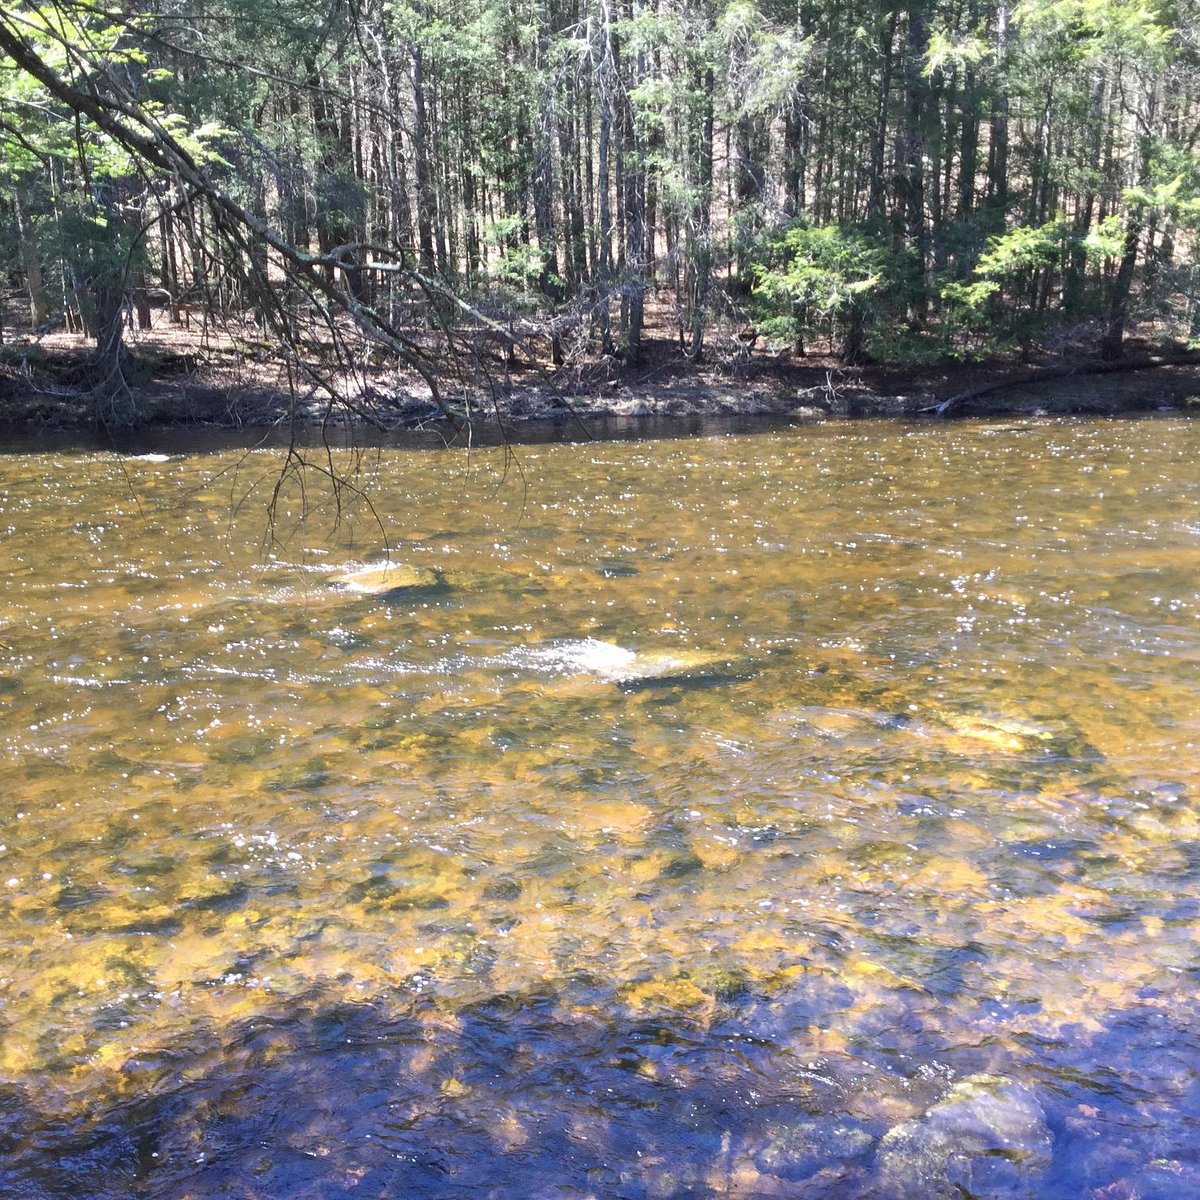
<point x="813" y="813"/>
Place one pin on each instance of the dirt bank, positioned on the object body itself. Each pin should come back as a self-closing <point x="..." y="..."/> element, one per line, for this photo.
<point x="178" y="380"/>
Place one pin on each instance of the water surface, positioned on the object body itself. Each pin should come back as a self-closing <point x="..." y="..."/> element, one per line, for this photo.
<point x="699" y="819"/>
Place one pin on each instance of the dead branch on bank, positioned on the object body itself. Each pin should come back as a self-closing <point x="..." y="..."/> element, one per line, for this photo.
<point x="945" y="407"/>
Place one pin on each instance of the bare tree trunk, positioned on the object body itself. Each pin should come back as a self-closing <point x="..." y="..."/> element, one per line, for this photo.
<point x="749" y="187"/>
<point x="1085" y="205"/>
<point x="1112" y="345"/>
<point x="575" y="241"/>
<point x="968" y="144"/>
<point x="605" y="86"/>
<point x="793" y="161"/>
<point x="876" y="203"/>
<point x="997" y="193"/>
<point x="31" y="263"/>
<point x="111" y="398"/>
<point x="543" y="166"/>
<point x="593" y="251"/>
<point x="911" y="170"/>
<point x="634" y="205"/>
<point x="701" y="231"/>
<point x="426" y="201"/>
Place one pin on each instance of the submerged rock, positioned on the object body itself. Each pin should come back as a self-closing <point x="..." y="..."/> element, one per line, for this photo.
<point x="616" y="664"/>
<point x="725" y="983"/>
<point x="987" y="1137"/>
<point x="996" y="732"/>
<point x="798" y="1150"/>
<point x="382" y="579"/>
<point x="383" y="892"/>
<point x="685" y="664"/>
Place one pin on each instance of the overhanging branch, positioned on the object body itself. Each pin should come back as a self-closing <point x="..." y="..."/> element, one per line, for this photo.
<point x="123" y="119"/>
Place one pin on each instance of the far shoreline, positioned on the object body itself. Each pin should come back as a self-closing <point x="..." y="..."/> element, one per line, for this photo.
<point x="666" y="396"/>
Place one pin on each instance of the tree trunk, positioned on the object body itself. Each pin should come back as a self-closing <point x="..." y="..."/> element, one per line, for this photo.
<point x="543" y="169"/>
<point x="31" y="264"/>
<point x="877" y="187"/>
<point x="112" y="403"/>
<point x="605" y="87"/>
<point x="1112" y="345"/>
<point x="793" y="161"/>
<point x="749" y="185"/>
<point x="911" y="175"/>
<point x="426" y="202"/>
<point x="634" y="205"/>
<point x="574" y="236"/>
<point x="968" y="143"/>
<point x="997" y="192"/>
<point x="700" y="232"/>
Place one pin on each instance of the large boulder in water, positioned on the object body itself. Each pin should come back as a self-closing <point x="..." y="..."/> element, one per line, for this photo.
<point x="987" y="1137"/>
<point x="385" y="579"/>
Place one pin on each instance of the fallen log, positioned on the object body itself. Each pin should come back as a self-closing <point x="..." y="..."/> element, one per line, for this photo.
<point x="1047" y="375"/>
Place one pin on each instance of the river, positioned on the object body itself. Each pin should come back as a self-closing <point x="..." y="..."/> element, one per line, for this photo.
<point x="805" y="813"/>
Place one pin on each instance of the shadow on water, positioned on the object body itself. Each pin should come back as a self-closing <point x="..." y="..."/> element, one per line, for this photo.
<point x="433" y="435"/>
<point x="535" y="1098"/>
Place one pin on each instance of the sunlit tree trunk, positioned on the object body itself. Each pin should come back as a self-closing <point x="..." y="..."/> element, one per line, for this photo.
<point x="31" y="262"/>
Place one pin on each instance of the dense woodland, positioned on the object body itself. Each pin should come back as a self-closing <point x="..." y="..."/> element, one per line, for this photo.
<point x="403" y="182"/>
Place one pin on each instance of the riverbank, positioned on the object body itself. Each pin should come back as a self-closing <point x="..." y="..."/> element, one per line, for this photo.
<point x="178" y="380"/>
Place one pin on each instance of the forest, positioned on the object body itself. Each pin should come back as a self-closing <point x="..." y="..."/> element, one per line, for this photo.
<point x="369" y="192"/>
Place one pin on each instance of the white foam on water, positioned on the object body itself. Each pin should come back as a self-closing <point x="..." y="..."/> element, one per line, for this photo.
<point x="585" y="656"/>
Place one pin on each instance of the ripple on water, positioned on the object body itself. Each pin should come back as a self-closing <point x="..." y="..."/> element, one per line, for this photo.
<point x="710" y="855"/>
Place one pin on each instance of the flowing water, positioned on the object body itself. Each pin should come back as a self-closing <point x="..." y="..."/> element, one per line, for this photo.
<point x="813" y="813"/>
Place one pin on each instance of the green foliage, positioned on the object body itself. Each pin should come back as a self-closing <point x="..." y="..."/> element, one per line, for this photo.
<point x="1095" y="29"/>
<point x="1104" y="241"/>
<point x="997" y="303"/>
<point x="1171" y="187"/>
<point x="1023" y="249"/>
<point x="949" y="51"/>
<point x="516" y="267"/>
<point x="965" y="330"/>
<point x="811" y="277"/>
<point x="959" y="187"/>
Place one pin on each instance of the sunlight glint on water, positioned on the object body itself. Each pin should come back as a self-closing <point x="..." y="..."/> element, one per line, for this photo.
<point x="689" y="818"/>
